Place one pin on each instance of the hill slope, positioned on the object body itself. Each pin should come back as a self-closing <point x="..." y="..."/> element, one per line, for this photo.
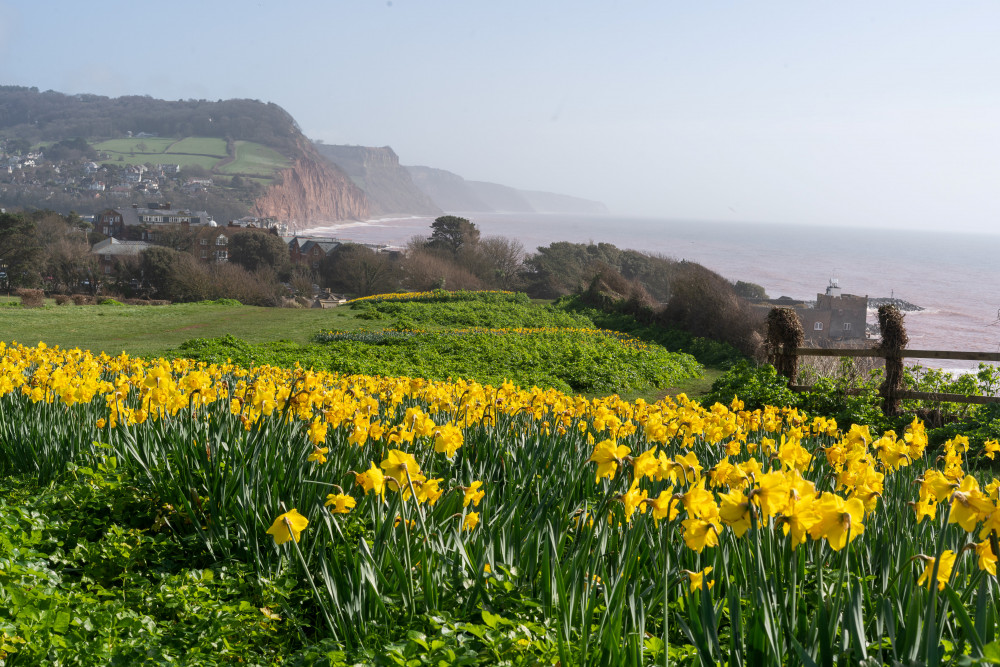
<point x="250" y="157"/>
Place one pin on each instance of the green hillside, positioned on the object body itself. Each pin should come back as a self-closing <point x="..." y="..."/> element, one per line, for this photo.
<point x="246" y="158"/>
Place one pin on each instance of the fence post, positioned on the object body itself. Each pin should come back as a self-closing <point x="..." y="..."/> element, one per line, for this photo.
<point x="784" y="337"/>
<point x="894" y="339"/>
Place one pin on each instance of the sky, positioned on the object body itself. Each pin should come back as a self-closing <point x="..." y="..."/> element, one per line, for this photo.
<point x="861" y="114"/>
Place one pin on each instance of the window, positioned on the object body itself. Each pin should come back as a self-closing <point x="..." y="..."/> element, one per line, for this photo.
<point x="204" y="241"/>
<point x="847" y="326"/>
<point x="818" y="326"/>
<point x="221" y="240"/>
<point x="204" y="253"/>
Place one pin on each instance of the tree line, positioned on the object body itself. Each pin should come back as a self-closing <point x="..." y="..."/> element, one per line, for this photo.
<point x="29" y="115"/>
<point x="45" y="249"/>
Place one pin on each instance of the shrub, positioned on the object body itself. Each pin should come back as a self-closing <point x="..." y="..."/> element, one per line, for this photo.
<point x="755" y="385"/>
<point x="31" y="298"/>
<point x="82" y="299"/>
<point x="62" y="299"/>
<point x="109" y="302"/>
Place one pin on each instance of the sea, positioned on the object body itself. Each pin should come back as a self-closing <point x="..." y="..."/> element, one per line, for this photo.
<point x="953" y="276"/>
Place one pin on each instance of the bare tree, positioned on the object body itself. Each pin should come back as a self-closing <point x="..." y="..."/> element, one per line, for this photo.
<point x="503" y="258"/>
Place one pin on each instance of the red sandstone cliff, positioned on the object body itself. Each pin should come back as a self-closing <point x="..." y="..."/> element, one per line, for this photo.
<point x="312" y="191"/>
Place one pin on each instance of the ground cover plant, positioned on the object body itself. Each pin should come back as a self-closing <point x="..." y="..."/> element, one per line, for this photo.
<point x="450" y="522"/>
<point x="578" y="360"/>
<point x="90" y="574"/>
<point x="488" y="311"/>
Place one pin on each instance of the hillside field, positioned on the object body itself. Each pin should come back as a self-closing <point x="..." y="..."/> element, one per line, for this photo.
<point x="249" y="158"/>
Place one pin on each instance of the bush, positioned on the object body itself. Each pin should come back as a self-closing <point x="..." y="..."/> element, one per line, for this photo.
<point x="757" y="386"/>
<point x="31" y="298"/>
<point x="62" y="299"/>
<point x="82" y="299"/>
<point x="109" y="302"/>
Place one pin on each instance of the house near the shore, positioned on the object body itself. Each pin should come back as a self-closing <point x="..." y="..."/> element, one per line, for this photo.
<point x="834" y="316"/>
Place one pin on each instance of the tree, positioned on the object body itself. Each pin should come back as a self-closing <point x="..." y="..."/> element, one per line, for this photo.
<point x="66" y="257"/>
<point x="355" y="269"/>
<point x="157" y="268"/>
<point x="502" y="262"/>
<point x="256" y="249"/>
<point x="749" y="290"/>
<point x="451" y="233"/>
<point x="20" y="250"/>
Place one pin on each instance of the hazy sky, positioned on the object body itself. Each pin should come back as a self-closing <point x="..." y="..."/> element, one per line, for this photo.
<point x="855" y="113"/>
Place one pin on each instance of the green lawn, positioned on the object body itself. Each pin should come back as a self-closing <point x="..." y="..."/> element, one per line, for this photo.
<point x="156" y="330"/>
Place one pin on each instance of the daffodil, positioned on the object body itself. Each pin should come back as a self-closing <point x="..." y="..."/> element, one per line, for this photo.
<point x="340" y="503"/>
<point x="318" y="454"/>
<point x="470" y="521"/>
<point x="607" y="455"/>
<point x="372" y="481"/>
<point x="697" y="579"/>
<point x="633" y="499"/>
<point x="288" y="526"/>
<point x="666" y="506"/>
<point x="699" y="534"/>
<point x="945" y="567"/>
<point x="473" y="495"/>
<point x="839" y="520"/>
<point x="987" y="559"/>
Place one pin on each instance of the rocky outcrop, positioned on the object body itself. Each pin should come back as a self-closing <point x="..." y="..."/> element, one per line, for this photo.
<point x="377" y="171"/>
<point x="313" y="191"/>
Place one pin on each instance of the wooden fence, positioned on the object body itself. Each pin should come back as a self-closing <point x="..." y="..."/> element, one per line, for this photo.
<point x="889" y="393"/>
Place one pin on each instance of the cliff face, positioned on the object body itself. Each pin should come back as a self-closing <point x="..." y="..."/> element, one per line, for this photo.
<point x="449" y="191"/>
<point x="453" y="193"/>
<point x="312" y="191"/>
<point x="376" y="171"/>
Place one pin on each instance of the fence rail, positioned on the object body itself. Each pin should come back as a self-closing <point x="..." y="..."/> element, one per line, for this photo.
<point x="903" y="354"/>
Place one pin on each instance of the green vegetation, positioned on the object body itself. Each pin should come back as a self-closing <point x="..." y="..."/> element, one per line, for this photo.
<point x="199" y="146"/>
<point x="156" y="330"/>
<point x="254" y="160"/>
<point x="147" y="145"/>
<point x="493" y="313"/>
<point x="851" y="397"/>
<point x="576" y="361"/>
<point x="92" y="574"/>
<point x="210" y="153"/>
<point x="571" y="359"/>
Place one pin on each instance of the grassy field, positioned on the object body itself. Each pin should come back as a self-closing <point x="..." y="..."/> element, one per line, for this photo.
<point x="254" y="160"/>
<point x="156" y="330"/>
<point x="131" y="145"/>
<point x="200" y="146"/>
<point x="250" y="159"/>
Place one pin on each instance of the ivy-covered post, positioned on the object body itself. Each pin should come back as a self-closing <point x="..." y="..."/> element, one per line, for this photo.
<point x="894" y="340"/>
<point x="784" y="337"/>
